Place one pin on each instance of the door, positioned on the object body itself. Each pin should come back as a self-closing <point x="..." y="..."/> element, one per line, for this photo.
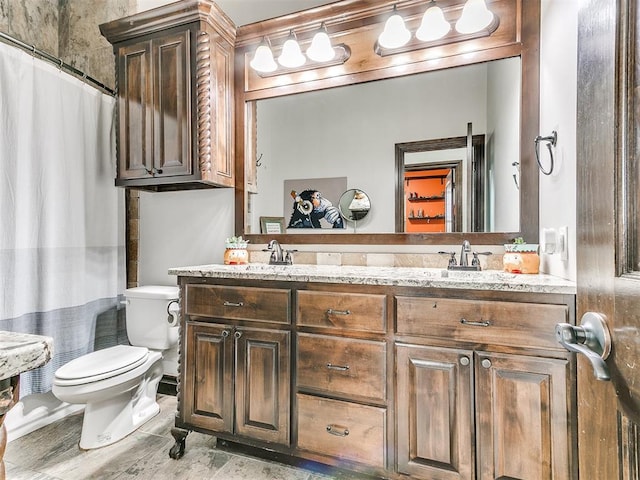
<point x="208" y="385"/>
<point x="523" y="412"/>
<point x="435" y="413"/>
<point x="608" y="249"/>
<point x="262" y="380"/>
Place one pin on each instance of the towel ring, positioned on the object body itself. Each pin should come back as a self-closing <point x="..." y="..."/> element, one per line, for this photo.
<point x="551" y="141"/>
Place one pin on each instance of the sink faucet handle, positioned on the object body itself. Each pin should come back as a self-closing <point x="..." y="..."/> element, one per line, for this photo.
<point x="452" y="258"/>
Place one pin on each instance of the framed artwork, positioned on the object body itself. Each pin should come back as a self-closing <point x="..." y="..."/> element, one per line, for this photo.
<point x="272" y="225"/>
<point x="313" y="202"/>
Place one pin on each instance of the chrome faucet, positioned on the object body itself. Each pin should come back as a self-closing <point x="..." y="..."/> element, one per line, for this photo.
<point x="466" y="248"/>
<point x="277" y="255"/>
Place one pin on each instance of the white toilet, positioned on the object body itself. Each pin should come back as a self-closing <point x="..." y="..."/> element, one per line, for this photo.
<point x="119" y="384"/>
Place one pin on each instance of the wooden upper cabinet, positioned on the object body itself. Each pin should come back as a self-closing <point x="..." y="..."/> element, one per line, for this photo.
<point x="175" y="84"/>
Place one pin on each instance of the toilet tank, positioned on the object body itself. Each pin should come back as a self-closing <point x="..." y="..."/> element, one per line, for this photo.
<point x="149" y="320"/>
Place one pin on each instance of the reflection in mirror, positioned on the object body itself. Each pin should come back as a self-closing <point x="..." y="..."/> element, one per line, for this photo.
<point x="352" y="131"/>
<point x="354" y="205"/>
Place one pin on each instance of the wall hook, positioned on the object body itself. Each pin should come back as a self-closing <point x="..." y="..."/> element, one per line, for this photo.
<point x="550" y="141"/>
<point x="516" y="175"/>
<point x="258" y="163"/>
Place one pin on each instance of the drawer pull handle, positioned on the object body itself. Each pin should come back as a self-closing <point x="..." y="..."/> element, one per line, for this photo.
<point x="484" y="323"/>
<point x="331" y="311"/>
<point x="342" y="368"/>
<point x="337" y="430"/>
<point x="233" y="304"/>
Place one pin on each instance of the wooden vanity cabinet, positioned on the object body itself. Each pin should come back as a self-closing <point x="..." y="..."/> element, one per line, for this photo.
<point x="500" y="408"/>
<point x="394" y="382"/>
<point x="237" y="362"/>
<point x="174" y="70"/>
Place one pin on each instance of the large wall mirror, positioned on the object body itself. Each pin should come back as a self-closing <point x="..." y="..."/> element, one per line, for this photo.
<point x="352" y="132"/>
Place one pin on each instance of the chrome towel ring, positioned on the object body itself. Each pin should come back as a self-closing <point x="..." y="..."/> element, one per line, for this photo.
<point x="550" y="141"/>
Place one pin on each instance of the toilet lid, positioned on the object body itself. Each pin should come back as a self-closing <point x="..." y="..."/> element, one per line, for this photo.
<point x="103" y="364"/>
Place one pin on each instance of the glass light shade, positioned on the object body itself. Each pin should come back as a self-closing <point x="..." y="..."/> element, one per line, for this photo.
<point x="321" y="49"/>
<point x="433" y="26"/>
<point x="263" y="59"/>
<point x="395" y="33"/>
<point x="475" y="16"/>
<point x="291" y="56"/>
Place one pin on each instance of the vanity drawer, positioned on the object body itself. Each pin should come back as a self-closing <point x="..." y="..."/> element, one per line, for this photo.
<point x="498" y="323"/>
<point x="342" y="311"/>
<point x="342" y="430"/>
<point x="342" y="366"/>
<point x="239" y="303"/>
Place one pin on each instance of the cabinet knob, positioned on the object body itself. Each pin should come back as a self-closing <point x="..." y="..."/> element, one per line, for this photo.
<point x="486" y="363"/>
<point x="237" y="334"/>
<point x="464" y="361"/>
<point x="225" y="333"/>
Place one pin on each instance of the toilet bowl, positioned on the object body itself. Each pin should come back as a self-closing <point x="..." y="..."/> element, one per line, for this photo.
<point x="118" y="385"/>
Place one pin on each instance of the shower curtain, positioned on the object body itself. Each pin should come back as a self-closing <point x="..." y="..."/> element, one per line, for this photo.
<point x="61" y="217"/>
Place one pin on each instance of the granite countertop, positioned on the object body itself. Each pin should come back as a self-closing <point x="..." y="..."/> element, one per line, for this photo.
<point x="399" y="276"/>
<point x="20" y="352"/>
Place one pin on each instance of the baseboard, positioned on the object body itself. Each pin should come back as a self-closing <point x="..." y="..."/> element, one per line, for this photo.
<point x="36" y="411"/>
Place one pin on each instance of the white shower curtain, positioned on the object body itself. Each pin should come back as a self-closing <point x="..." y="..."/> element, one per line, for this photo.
<point x="61" y="217"/>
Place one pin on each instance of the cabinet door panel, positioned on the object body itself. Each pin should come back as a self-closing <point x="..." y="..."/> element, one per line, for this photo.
<point x="135" y="115"/>
<point x="434" y="409"/>
<point x="523" y="422"/>
<point x="208" y="390"/>
<point x="263" y="384"/>
<point x="172" y="122"/>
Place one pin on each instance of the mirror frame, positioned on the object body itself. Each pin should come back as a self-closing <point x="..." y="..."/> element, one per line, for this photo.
<point x="357" y="23"/>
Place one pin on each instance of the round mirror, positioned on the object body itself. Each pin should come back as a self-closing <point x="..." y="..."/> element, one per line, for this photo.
<point x="354" y="205"/>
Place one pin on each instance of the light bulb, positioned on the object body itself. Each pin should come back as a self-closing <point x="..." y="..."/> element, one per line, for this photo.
<point x="321" y="49"/>
<point x="263" y="59"/>
<point x="433" y="26"/>
<point x="475" y="16"/>
<point x="395" y="33"/>
<point x="291" y="56"/>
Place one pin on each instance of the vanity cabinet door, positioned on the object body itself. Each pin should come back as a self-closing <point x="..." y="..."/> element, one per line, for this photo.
<point x="208" y="396"/>
<point x="523" y="417"/>
<point x="262" y="379"/>
<point x="435" y="412"/>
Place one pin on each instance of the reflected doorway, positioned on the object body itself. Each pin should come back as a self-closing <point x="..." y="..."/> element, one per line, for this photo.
<point x="431" y="192"/>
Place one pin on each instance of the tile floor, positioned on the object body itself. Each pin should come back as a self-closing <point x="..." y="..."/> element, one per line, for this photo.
<point x="52" y="453"/>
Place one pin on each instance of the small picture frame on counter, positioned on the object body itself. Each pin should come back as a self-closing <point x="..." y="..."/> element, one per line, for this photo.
<point x="272" y="225"/>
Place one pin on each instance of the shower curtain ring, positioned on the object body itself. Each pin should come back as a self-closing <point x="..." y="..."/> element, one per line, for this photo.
<point x="551" y="141"/>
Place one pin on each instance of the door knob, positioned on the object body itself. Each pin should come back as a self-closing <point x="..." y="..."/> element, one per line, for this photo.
<point x="591" y="338"/>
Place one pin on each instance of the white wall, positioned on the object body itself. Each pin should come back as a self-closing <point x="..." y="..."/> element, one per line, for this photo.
<point x="558" y="80"/>
<point x="503" y="147"/>
<point x="180" y="229"/>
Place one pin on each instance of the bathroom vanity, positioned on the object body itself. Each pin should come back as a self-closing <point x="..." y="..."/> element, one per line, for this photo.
<point x="385" y="371"/>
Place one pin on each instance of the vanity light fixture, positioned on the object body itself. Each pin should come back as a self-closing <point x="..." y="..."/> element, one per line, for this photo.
<point x="475" y="21"/>
<point x="395" y="33"/>
<point x="433" y="26"/>
<point x="475" y="17"/>
<point x="321" y="49"/>
<point x="291" y="56"/>
<point x="263" y="61"/>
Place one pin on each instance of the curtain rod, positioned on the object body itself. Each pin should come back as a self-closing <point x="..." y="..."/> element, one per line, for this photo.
<point x="59" y="62"/>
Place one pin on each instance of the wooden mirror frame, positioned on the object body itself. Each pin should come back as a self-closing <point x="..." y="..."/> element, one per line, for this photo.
<point x="357" y="24"/>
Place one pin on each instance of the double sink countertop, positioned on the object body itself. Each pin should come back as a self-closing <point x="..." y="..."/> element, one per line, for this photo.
<point x="494" y="280"/>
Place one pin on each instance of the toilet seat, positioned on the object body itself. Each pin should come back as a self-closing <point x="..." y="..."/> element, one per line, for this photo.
<point x="100" y="365"/>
